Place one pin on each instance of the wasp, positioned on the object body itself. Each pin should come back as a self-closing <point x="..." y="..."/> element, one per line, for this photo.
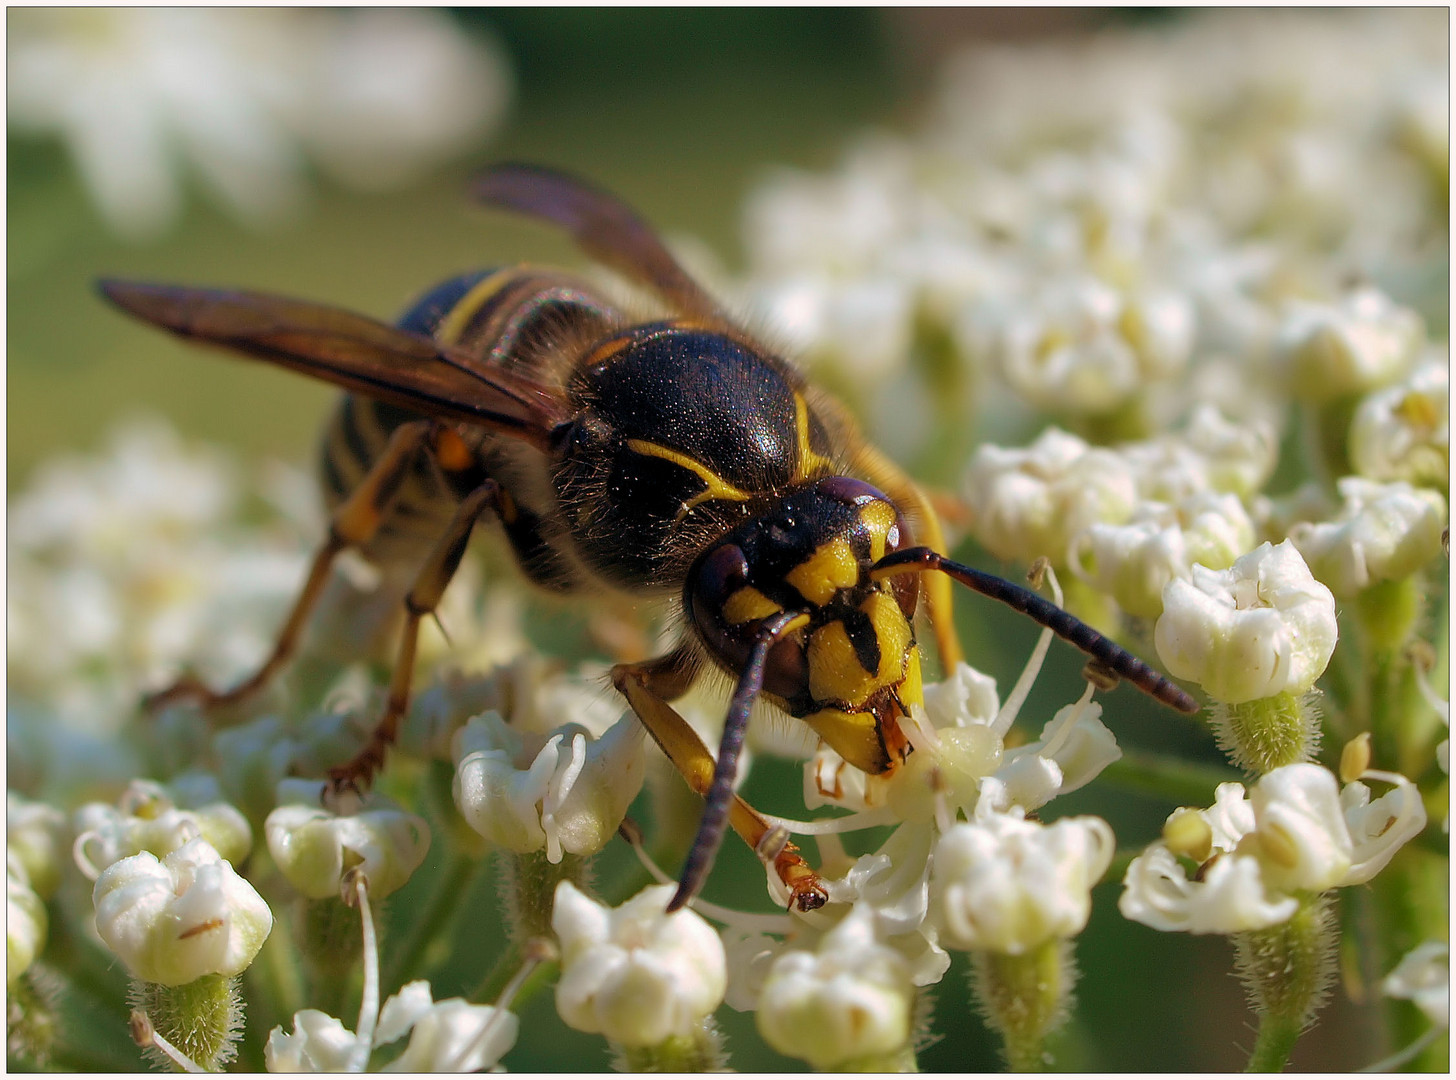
<point x="678" y="458"/>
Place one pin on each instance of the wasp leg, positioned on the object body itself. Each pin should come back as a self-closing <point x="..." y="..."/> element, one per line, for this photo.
<point x="887" y="476"/>
<point x="648" y="686"/>
<point x="354" y="523"/>
<point x="422" y="599"/>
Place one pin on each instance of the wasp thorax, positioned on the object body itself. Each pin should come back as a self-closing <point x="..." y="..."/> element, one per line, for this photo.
<point x="854" y="669"/>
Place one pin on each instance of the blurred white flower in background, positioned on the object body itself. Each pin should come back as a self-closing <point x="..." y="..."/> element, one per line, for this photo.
<point x="1091" y="226"/>
<point x="248" y="99"/>
<point x="126" y="565"/>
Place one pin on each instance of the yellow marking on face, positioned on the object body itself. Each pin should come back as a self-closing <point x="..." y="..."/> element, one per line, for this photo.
<point x="835" y="671"/>
<point x="715" y="487"/>
<point x="811" y="463"/>
<point x="748" y="605"/>
<point x="453" y="325"/>
<point x="852" y="736"/>
<point x="879" y="519"/>
<point x="832" y="567"/>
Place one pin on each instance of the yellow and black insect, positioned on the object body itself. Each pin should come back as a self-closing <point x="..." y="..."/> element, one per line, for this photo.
<point x="672" y="457"/>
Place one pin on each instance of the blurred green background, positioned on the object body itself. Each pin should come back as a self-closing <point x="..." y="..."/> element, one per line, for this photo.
<point x="679" y="111"/>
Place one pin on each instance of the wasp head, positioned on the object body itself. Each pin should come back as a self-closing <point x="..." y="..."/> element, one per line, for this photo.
<point x="854" y="669"/>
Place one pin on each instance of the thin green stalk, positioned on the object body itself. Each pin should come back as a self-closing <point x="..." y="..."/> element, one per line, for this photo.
<point x="1182" y="782"/>
<point x="1287" y="971"/>
<point x="434" y="922"/>
<point x="1274" y="1044"/>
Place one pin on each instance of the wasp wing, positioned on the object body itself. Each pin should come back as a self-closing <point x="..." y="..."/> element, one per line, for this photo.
<point x="603" y="226"/>
<point x="358" y="353"/>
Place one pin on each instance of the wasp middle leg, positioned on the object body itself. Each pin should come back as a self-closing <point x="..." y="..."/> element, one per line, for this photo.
<point x="421" y="600"/>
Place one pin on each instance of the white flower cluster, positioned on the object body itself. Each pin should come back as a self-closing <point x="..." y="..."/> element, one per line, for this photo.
<point x="123" y="566"/>
<point x="1131" y="227"/>
<point x="1295" y="831"/>
<point x="248" y="98"/>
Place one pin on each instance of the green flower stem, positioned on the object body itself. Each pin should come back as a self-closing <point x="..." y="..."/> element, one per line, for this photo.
<point x="1388" y="612"/>
<point x="1184" y="783"/>
<point x="528" y="890"/>
<point x="1025" y="998"/>
<point x="901" y="1061"/>
<point x="1273" y="1045"/>
<point x="1287" y="970"/>
<point x="528" y="893"/>
<point x="202" y="1019"/>
<point x="702" y="1051"/>
<point x="328" y="936"/>
<point x="433" y="923"/>
<point x="489" y="990"/>
<point x="1267" y="733"/>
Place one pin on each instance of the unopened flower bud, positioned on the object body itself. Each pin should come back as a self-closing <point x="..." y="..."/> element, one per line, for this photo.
<point x="636" y="973"/>
<point x="1332" y="350"/>
<point x="33" y="835"/>
<point x="1005" y="884"/>
<point x="1404" y="431"/>
<point x="26" y="921"/>
<point x="315" y="847"/>
<point x="149" y="818"/>
<point x="1263" y="627"/>
<point x="849" y="1000"/>
<point x="175" y="919"/>
<point x="566" y="792"/>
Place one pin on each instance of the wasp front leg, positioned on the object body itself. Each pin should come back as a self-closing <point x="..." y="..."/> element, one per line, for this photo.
<point x="354" y="524"/>
<point x="648" y="687"/>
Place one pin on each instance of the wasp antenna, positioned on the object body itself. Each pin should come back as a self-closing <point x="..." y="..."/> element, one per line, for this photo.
<point x="1111" y="656"/>
<point x="735" y="724"/>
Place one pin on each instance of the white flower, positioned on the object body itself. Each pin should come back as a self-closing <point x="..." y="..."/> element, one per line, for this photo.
<point x="445" y="1036"/>
<point x="1079" y="346"/>
<point x="1294" y="832"/>
<point x="1230" y="895"/>
<point x="1035" y="501"/>
<point x="1383" y="532"/>
<point x="126" y="565"/>
<point x="1134" y="560"/>
<point x="1332" y="350"/>
<point x="242" y="96"/>
<point x="147" y="818"/>
<point x="173" y="920"/>
<point x="1404" y="431"/>
<point x="1074" y="747"/>
<point x="748" y="956"/>
<point x="851" y="998"/>
<point x="318" y="1043"/>
<point x="1209" y="454"/>
<point x="565" y="792"/>
<point x="635" y="973"/>
<point x="1423" y="976"/>
<point x="315" y="847"/>
<point x="1263" y="627"/>
<point x="26" y="921"/>
<point x="1005" y="884"/>
<point x="33" y="835"/>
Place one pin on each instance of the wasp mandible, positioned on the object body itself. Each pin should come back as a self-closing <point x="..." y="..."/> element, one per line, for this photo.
<point x="679" y="457"/>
